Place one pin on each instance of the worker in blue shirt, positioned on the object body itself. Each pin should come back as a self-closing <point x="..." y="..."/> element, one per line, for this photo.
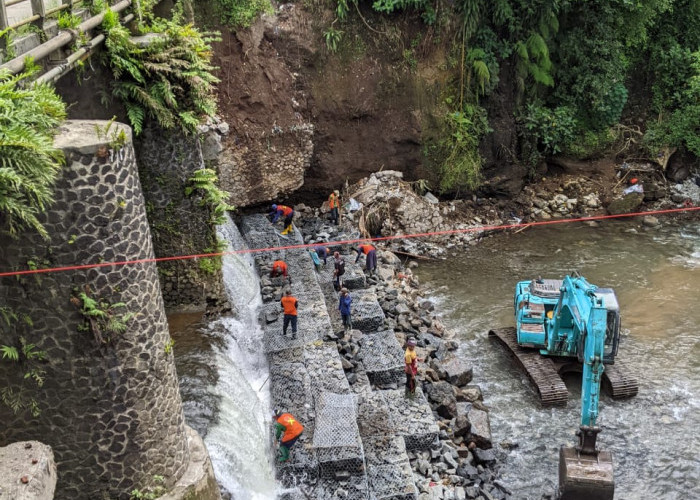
<point x="344" y="302"/>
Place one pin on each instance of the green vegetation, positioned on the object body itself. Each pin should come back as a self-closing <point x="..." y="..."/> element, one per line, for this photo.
<point x="29" y="164"/>
<point x="574" y="67"/>
<point x="101" y="317"/>
<point x="27" y="357"/>
<point x="150" y="493"/>
<point x="203" y="183"/>
<point x="117" y="137"/>
<point x="239" y="14"/>
<point x="168" y="78"/>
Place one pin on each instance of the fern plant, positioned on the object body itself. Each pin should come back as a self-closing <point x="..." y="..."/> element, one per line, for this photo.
<point x="101" y="317"/>
<point x="170" y="79"/>
<point x="29" y="162"/>
<point x="203" y="181"/>
<point x="27" y="358"/>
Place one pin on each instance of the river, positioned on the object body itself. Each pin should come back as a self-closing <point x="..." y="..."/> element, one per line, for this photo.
<point x="656" y="276"/>
<point x="223" y="380"/>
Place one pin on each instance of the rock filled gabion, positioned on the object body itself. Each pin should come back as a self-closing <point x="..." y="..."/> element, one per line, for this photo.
<point x="382" y="358"/>
<point x="336" y="437"/>
<point x="364" y="439"/>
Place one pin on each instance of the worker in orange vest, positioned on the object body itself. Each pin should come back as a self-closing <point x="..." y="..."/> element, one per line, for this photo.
<point x="287" y="431"/>
<point x="371" y="259"/>
<point x="283" y="211"/>
<point x="334" y="205"/>
<point x="289" y="306"/>
<point x="278" y="267"/>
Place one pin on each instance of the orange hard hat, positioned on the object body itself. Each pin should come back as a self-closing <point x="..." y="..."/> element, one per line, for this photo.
<point x="633" y="180"/>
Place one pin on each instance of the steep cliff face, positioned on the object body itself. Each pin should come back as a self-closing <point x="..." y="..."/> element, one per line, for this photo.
<point x="306" y="120"/>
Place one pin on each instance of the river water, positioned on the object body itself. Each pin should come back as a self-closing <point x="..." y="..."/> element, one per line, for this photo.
<point x="223" y="380"/>
<point x="656" y="276"/>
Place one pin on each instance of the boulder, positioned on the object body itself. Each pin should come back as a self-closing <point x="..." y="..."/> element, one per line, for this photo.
<point x="625" y="205"/>
<point x="456" y="371"/>
<point x="481" y="428"/>
<point x="442" y="397"/>
<point x="485" y="457"/>
<point x="27" y="471"/>
<point x="469" y="394"/>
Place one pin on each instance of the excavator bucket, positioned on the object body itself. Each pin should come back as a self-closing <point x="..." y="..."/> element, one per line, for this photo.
<point x="585" y="477"/>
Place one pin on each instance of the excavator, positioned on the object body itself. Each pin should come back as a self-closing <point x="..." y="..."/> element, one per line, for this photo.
<point x="563" y="326"/>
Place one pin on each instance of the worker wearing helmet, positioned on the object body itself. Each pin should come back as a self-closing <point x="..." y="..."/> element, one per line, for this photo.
<point x="411" y="367"/>
<point x="334" y="205"/>
<point x="283" y="211"/>
<point x="287" y="431"/>
<point x="371" y="256"/>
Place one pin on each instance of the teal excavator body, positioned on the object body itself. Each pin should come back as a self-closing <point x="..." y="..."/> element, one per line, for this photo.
<point x="560" y="324"/>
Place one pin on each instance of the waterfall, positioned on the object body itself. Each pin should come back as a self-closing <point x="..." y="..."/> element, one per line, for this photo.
<point x="239" y="440"/>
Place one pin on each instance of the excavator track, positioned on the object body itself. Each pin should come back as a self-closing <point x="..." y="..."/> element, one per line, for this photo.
<point x="620" y="383"/>
<point x="540" y="370"/>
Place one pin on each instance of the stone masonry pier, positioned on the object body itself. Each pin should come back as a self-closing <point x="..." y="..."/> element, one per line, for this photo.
<point x="356" y="434"/>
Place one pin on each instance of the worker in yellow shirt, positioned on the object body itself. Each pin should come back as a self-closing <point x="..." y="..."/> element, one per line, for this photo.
<point x="411" y="367"/>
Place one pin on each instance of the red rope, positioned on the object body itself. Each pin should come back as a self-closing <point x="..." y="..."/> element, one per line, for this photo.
<point x="345" y="242"/>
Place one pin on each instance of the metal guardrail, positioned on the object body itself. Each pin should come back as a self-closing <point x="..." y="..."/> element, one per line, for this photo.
<point x="37" y="10"/>
<point x="63" y="38"/>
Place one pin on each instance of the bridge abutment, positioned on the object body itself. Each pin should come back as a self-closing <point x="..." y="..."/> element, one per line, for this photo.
<point x="110" y="405"/>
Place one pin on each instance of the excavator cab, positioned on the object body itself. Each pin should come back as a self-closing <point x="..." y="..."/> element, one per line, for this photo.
<point x="612" y="329"/>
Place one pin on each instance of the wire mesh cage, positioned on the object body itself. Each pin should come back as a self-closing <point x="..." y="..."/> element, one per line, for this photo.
<point x="374" y="415"/>
<point x="382" y="358"/>
<point x="354" y="488"/>
<point x="325" y="368"/>
<point x="412" y="418"/>
<point x="336" y="438"/>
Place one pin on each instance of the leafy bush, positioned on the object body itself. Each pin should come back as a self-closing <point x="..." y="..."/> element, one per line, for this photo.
<point x="241" y="13"/>
<point x="589" y="143"/>
<point x="550" y="129"/>
<point x="29" y="163"/>
<point x="458" y="151"/>
<point x="27" y="357"/>
<point x="170" y="79"/>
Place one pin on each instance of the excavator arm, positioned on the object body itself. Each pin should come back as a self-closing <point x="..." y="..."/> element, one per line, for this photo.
<point x="584" y="471"/>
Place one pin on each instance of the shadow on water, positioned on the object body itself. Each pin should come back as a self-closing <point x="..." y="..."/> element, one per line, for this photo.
<point x="656" y="275"/>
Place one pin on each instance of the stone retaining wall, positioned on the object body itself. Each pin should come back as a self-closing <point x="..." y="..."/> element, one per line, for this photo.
<point x="110" y="405"/>
<point x="179" y="224"/>
<point x="258" y="169"/>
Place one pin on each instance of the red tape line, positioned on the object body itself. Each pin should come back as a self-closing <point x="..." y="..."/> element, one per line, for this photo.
<point x="344" y="242"/>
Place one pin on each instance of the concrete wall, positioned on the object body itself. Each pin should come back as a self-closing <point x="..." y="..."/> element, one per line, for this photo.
<point x="110" y="410"/>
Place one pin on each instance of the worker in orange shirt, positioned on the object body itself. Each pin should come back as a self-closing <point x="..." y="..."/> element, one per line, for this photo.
<point x="287" y="431"/>
<point x="278" y="267"/>
<point x="289" y="306"/>
<point x="371" y="257"/>
<point x="334" y="205"/>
